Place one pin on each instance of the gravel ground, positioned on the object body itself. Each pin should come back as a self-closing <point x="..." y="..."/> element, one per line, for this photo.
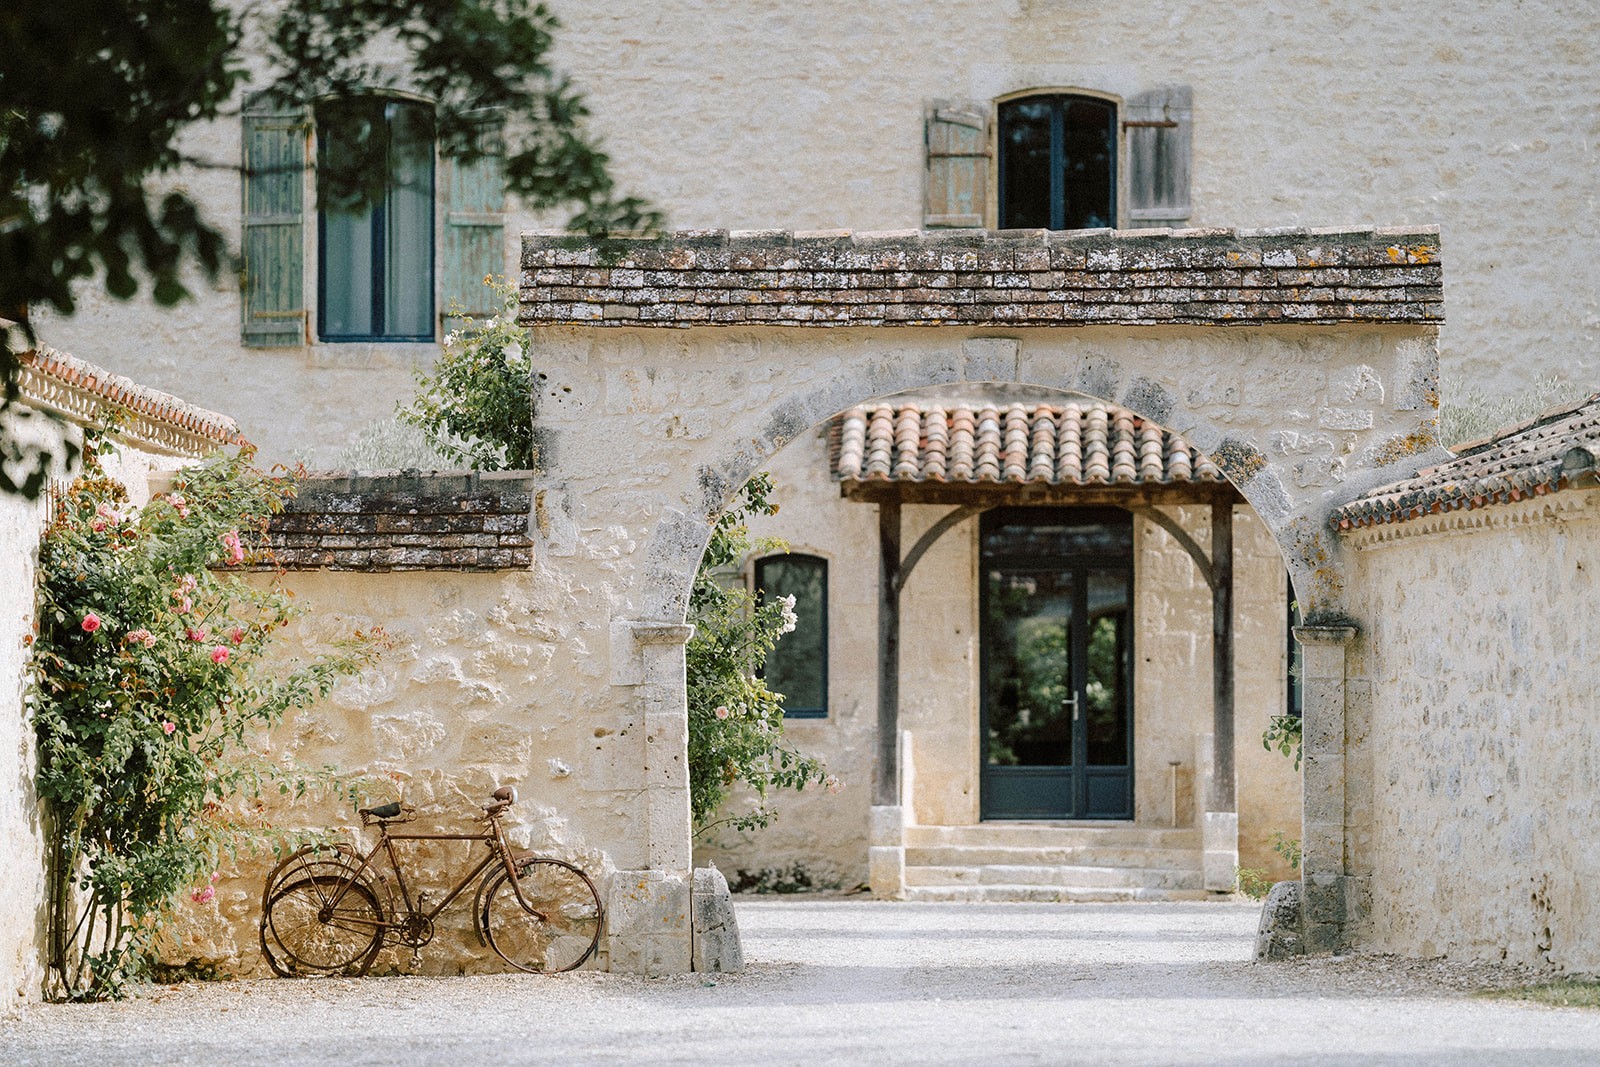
<point x="855" y="981"/>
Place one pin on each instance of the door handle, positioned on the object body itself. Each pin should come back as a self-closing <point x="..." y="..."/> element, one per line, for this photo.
<point x="1073" y="700"/>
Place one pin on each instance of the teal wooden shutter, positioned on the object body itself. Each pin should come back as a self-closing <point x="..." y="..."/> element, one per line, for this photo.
<point x="473" y="195"/>
<point x="957" y="186"/>
<point x="273" y="281"/>
<point x="1158" y="125"/>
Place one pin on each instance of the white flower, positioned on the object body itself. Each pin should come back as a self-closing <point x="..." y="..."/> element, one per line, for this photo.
<point x="789" y="617"/>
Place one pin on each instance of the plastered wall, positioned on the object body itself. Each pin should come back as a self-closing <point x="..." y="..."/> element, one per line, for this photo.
<point x="1473" y="743"/>
<point x="809" y="114"/>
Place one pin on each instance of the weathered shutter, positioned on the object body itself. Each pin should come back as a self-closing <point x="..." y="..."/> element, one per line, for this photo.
<point x="958" y="165"/>
<point x="1158" y="125"/>
<point x="473" y="194"/>
<point x="272" y="284"/>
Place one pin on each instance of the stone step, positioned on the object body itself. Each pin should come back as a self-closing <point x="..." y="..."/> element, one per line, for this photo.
<point x="1048" y="894"/>
<point x="1052" y="835"/>
<point x="1069" y="856"/>
<point x="1131" y="878"/>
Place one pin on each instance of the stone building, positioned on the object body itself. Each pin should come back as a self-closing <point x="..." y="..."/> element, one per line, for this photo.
<point x="1201" y="185"/>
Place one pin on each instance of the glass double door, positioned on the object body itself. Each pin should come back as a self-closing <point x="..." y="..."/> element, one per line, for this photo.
<point x="1056" y="664"/>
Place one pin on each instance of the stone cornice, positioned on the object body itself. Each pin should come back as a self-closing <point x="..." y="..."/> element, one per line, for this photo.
<point x="982" y="278"/>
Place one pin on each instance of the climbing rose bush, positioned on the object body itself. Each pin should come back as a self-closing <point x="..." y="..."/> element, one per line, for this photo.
<point x="735" y="721"/>
<point x="150" y="677"/>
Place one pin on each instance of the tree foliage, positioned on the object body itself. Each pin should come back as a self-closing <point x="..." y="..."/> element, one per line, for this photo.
<point x="150" y="678"/>
<point x="96" y="97"/>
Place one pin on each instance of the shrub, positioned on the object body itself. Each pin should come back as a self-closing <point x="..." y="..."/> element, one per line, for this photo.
<point x="735" y="721"/>
<point x="148" y="683"/>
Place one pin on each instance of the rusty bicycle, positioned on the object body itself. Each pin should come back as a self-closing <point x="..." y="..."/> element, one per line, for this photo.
<point x="329" y="909"/>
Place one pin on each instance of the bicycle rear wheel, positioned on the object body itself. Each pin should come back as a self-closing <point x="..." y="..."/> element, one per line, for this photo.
<point x="321" y="924"/>
<point x="560" y="927"/>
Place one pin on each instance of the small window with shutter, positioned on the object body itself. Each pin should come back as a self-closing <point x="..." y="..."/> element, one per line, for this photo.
<point x="375" y="220"/>
<point x="1058" y="163"/>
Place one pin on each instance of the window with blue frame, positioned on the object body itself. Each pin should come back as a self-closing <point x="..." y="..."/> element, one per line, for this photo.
<point x="1058" y="163"/>
<point x="798" y="666"/>
<point x="375" y="220"/>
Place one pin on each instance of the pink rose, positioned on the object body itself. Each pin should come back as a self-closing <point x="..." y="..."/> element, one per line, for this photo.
<point x="832" y="784"/>
<point x="167" y="726"/>
<point x="721" y="712"/>
<point x="90" y="623"/>
<point x="236" y="635"/>
<point x="98" y="525"/>
<point x="203" y="895"/>
<point x="195" y="635"/>
<point x="230" y="541"/>
<point x="182" y="505"/>
<point x="141" y="637"/>
<point x="185" y="605"/>
<point x="219" y="654"/>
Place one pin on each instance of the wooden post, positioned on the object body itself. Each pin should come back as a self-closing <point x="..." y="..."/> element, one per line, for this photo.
<point x="1222" y="772"/>
<point x="886" y="790"/>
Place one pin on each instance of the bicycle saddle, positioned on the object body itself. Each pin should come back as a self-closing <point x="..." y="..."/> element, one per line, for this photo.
<point x="383" y="811"/>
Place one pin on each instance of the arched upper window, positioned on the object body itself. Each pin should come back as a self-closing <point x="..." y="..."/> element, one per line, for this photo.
<point x="375" y="220"/>
<point x="1058" y="163"/>
<point x="798" y="666"/>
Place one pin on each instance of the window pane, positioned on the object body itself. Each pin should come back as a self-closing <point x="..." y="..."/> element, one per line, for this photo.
<point x="408" y="235"/>
<point x="798" y="666"/>
<point x="1088" y="155"/>
<point x="349" y="138"/>
<point x="1025" y="165"/>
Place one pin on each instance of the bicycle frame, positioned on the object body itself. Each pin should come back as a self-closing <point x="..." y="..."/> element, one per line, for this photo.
<point x="499" y="849"/>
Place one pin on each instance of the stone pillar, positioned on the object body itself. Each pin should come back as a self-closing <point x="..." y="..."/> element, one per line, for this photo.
<point x="886" y="852"/>
<point x="1324" y="862"/>
<point x="649" y="923"/>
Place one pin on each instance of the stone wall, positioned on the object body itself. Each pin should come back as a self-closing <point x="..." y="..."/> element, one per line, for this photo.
<point x="1316" y="115"/>
<point x="478" y="689"/>
<point x="1472" y="767"/>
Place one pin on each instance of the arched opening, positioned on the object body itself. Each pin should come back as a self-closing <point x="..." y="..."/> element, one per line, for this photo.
<point x="1321" y="384"/>
<point x="996" y="557"/>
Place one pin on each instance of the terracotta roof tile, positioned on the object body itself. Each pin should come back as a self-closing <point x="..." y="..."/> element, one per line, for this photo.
<point x="81" y="391"/>
<point x="1074" y="443"/>
<point x="1557" y="450"/>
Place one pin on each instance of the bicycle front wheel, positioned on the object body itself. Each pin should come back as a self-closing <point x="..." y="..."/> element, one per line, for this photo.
<point x="557" y="930"/>
<point x="323" y="924"/>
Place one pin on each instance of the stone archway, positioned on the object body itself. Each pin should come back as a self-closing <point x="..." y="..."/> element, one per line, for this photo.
<point x="675" y="366"/>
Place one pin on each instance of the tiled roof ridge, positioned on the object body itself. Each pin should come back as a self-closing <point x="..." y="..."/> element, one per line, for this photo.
<point x="1071" y="442"/>
<point x="819" y="278"/>
<point x="80" y="391"/>
<point x="1556" y="450"/>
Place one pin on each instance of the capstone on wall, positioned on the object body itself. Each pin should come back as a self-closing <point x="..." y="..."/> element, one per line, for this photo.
<point x="1304" y="115"/>
<point x="1472" y="744"/>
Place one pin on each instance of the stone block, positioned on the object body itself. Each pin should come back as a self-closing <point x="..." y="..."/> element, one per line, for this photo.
<point x="887" y="825"/>
<point x="717" y="946"/>
<point x="648" y="923"/>
<point x="886" y="872"/>
<point x="1278" y="937"/>
<point x="1323" y="900"/>
<point x="1323" y="789"/>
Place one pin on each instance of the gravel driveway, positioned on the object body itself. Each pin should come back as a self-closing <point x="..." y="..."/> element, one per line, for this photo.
<point x="855" y="981"/>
